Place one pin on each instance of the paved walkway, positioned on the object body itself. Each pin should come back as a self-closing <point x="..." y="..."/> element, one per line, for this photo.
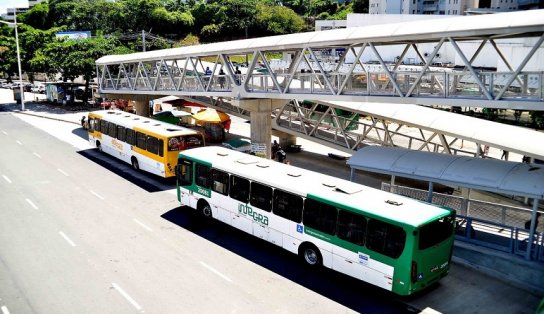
<point x="466" y="289"/>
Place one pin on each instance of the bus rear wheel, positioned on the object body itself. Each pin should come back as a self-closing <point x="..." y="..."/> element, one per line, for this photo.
<point x="310" y="255"/>
<point x="99" y="147"/>
<point x="135" y="164"/>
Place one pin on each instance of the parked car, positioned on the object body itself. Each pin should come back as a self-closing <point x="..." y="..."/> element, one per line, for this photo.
<point x="38" y="88"/>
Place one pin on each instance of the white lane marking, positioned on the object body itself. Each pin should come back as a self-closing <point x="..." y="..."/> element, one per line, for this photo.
<point x="67" y="239"/>
<point x="126" y="296"/>
<point x="141" y="224"/>
<point x="37" y="155"/>
<point x="4" y="309"/>
<point x="6" y="178"/>
<point x="31" y="204"/>
<point x="6" y="133"/>
<point x="63" y="172"/>
<point x="19" y="142"/>
<point x="215" y="271"/>
<point x="96" y="194"/>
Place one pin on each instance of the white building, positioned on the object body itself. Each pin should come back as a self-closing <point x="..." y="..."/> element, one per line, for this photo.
<point x="448" y="7"/>
<point x="514" y="49"/>
<point x="10" y="15"/>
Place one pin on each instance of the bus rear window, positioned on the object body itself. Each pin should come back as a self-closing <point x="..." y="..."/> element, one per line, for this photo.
<point x="435" y="232"/>
<point x="178" y="143"/>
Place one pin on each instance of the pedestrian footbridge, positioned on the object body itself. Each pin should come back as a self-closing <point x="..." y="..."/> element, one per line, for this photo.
<point x="307" y="73"/>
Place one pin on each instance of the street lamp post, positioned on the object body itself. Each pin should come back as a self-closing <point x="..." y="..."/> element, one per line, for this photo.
<point x="18" y="59"/>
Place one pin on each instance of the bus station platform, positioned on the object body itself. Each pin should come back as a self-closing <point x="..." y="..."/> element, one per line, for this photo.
<point x="480" y="280"/>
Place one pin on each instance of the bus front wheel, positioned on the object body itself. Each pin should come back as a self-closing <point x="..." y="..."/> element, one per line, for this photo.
<point x="135" y="164"/>
<point x="205" y="209"/>
<point x="99" y="147"/>
<point x="310" y="255"/>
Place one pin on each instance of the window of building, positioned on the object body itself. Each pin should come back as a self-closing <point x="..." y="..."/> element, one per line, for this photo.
<point x="288" y="205"/>
<point x="319" y="216"/>
<point x="261" y="196"/>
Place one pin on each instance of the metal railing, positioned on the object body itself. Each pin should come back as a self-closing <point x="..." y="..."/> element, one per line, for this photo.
<point x="496" y="226"/>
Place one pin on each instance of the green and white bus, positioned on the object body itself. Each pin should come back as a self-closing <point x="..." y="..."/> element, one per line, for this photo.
<point x="397" y="243"/>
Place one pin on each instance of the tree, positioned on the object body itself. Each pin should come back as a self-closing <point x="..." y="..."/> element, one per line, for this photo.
<point x="275" y="20"/>
<point x="72" y="58"/>
<point x="360" y="6"/>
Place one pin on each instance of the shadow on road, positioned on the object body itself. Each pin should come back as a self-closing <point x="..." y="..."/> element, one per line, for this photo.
<point x="149" y="182"/>
<point x="352" y="293"/>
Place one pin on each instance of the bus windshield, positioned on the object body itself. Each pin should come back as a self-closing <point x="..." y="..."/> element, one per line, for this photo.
<point x="435" y="232"/>
<point x="178" y="143"/>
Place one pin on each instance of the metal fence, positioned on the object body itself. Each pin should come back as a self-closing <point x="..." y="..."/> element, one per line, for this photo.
<point x="496" y="226"/>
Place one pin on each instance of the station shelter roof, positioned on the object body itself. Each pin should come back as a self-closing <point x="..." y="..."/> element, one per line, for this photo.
<point x="505" y="177"/>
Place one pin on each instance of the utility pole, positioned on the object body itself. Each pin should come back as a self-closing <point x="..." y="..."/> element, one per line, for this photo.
<point x="143" y="40"/>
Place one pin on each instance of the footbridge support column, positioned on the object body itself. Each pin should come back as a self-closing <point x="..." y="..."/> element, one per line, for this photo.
<point x="261" y="122"/>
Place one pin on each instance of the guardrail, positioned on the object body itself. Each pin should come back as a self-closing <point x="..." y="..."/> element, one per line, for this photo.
<point x="495" y="226"/>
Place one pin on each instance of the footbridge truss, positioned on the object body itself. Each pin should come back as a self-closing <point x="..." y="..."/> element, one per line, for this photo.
<point x="349" y="126"/>
<point x="308" y="75"/>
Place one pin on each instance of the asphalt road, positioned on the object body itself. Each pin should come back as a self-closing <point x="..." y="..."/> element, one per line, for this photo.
<point x="82" y="233"/>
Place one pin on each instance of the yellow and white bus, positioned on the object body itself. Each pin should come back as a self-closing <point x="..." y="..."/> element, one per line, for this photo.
<point x="396" y="243"/>
<point x="146" y="144"/>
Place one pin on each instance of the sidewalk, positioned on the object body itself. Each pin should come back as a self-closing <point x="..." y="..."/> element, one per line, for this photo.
<point x="469" y="287"/>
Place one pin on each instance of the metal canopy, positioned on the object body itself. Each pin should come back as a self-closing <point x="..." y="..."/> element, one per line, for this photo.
<point x="491" y="175"/>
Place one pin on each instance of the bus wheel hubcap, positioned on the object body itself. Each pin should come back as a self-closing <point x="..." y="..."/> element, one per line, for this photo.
<point x="311" y="257"/>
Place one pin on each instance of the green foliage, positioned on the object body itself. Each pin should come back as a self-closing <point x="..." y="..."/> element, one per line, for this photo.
<point x="189" y="40"/>
<point x="274" y="20"/>
<point x="209" y="20"/>
<point x="360" y="6"/>
<point x="537" y="119"/>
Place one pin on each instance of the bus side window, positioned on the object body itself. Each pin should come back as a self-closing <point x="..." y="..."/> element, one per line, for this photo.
<point x="220" y="181"/>
<point x="288" y="205"/>
<point x="184" y="172"/>
<point x="103" y="127"/>
<point x="203" y="176"/>
<point x="239" y="189"/>
<point x="112" y="130"/>
<point x="152" y="145"/>
<point x="161" y="147"/>
<point x="261" y="196"/>
<point x="385" y="238"/>
<point x="319" y="216"/>
<point x="130" y="137"/>
<point x="140" y="140"/>
<point x="121" y="133"/>
<point x="351" y="227"/>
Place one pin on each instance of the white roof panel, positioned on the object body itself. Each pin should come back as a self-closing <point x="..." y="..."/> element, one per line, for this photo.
<point x="483" y="174"/>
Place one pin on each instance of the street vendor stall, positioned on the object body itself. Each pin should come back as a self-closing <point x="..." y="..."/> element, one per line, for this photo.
<point x="214" y="122"/>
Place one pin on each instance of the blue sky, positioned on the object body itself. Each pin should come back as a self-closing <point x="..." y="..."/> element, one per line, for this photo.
<point x="4" y="4"/>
